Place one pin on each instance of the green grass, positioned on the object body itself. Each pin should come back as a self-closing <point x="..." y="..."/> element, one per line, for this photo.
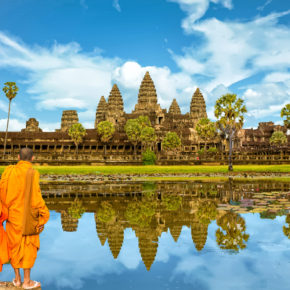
<point x="212" y="179"/>
<point x="151" y="169"/>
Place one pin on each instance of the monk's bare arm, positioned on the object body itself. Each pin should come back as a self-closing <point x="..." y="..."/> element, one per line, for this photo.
<point x="38" y="202"/>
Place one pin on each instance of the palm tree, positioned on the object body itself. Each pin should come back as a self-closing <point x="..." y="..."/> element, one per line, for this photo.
<point x="10" y="91"/>
<point x="285" y="112"/>
<point x="229" y="112"/>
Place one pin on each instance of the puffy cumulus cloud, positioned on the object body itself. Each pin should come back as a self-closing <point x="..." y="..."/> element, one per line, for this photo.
<point x="195" y="9"/>
<point x="61" y="76"/>
<point x="14" y="125"/>
<point x="267" y="98"/>
<point x="234" y="51"/>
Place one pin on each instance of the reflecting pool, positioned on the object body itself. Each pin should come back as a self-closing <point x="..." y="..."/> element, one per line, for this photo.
<point x="165" y="235"/>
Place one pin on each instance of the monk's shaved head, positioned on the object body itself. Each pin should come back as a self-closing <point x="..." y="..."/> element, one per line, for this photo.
<point x="26" y="154"/>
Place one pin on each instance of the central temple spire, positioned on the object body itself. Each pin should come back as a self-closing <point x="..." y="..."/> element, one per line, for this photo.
<point x="147" y="97"/>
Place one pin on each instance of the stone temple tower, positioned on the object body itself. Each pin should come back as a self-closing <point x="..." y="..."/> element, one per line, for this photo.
<point x="69" y="117"/>
<point x="115" y="108"/>
<point x="147" y="97"/>
<point x="174" y="108"/>
<point x="197" y="106"/>
<point x="101" y="111"/>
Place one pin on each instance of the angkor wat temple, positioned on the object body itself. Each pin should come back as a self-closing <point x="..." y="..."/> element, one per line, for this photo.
<point x="251" y="145"/>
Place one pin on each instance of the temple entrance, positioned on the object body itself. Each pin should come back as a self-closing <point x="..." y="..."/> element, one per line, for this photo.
<point x="159" y="146"/>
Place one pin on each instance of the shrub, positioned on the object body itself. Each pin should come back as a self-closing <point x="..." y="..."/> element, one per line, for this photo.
<point x="148" y="157"/>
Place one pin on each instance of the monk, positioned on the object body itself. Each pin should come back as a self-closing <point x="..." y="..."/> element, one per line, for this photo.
<point x="22" y="250"/>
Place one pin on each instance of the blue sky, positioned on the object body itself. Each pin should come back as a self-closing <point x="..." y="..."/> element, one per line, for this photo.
<point x="66" y="54"/>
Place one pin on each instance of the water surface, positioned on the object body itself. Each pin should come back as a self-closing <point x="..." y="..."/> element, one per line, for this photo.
<point x="165" y="235"/>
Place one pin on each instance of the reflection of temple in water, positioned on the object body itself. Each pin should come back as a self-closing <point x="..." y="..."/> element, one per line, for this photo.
<point x="149" y="213"/>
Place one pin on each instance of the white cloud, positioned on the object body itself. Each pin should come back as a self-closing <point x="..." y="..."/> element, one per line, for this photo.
<point x="262" y="7"/>
<point x="195" y="9"/>
<point x="236" y="50"/>
<point x="14" y="125"/>
<point x="116" y="5"/>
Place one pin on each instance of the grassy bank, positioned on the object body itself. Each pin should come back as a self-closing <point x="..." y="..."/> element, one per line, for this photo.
<point x="158" y="169"/>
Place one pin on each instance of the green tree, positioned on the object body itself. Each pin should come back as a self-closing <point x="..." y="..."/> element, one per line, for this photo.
<point x="171" y="142"/>
<point x="133" y="130"/>
<point x="148" y="157"/>
<point x="229" y="112"/>
<point x="106" y="130"/>
<point x="148" y="136"/>
<point x="285" y="112"/>
<point x="144" y="121"/>
<point x="77" y="133"/>
<point x="10" y="89"/>
<point x="206" y="130"/>
<point x="278" y="139"/>
<point x="231" y="234"/>
<point x="137" y="131"/>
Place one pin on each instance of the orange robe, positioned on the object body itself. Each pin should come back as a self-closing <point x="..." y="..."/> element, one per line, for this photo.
<point x="22" y="249"/>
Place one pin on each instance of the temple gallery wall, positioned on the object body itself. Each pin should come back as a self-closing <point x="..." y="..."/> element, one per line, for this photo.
<point x="250" y="145"/>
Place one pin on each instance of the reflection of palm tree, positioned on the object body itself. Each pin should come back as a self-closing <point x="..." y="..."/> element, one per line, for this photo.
<point x="232" y="234"/>
<point x="286" y="230"/>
